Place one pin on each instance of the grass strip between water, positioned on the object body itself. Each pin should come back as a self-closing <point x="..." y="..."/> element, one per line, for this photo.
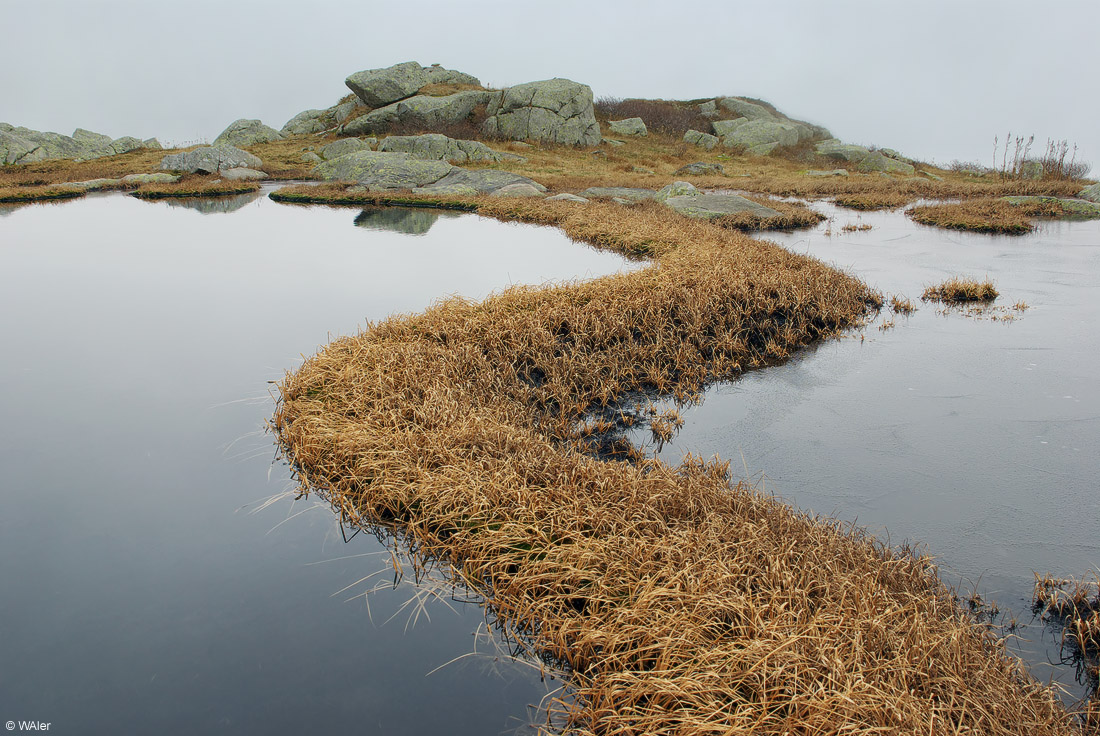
<point x="678" y="601"/>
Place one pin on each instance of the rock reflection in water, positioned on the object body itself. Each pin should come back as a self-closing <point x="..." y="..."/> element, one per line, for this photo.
<point x="213" y="205"/>
<point x="408" y="220"/>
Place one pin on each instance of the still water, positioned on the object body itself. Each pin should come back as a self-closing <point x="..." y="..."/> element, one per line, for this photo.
<point x="978" y="439"/>
<point x="147" y="585"/>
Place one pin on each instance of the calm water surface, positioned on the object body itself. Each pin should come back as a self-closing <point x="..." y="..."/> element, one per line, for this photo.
<point x="146" y="589"/>
<point x="977" y="439"/>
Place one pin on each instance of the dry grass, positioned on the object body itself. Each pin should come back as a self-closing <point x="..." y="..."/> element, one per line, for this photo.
<point x="874" y="200"/>
<point x="792" y="216"/>
<point x="957" y="290"/>
<point x="985" y="215"/>
<point x="678" y="603"/>
<point x="442" y="90"/>
<point x="195" y="186"/>
<point x="901" y="305"/>
<point x="9" y="195"/>
<point x="1074" y="607"/>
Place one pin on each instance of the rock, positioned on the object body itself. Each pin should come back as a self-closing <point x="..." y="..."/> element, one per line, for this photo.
<point x="91" y="140"/>
<point x="438" y="75"/>
<point x="1074" y="208"/>
<point x="94" y="185"/>
<point x="243" y="174"/>
<point x="210" y="160"/>
<point x="677" y="189"/>
<point x="24" y="146"/>
<point x="1090" y="193"/>
<point x="932" y="176"/>
<point x="379" y="87"/>
<point x="310" y="157"/>
<point x="432" y="111"/>
<point x="567" y="197"/>
<point x="246" y="132"/>
<point x="833" y="148"/>
<point x="641" y="170"/>
<point x="519" y="189"/>
<point x="630" y="194"/>
<point x="382" y="170"/>
<point x="620" y="200"/>
<point x="699" y="138"/>
<point x="614" y="143"/>
<point x="833" y="172"/>
<point x="125" y="144"/>
<point x="306" y="122"/>
<point x="553" y="110"/>
<point x="14" y="148"/>
<point x="701" y="168"/>
<point x="438" y="147"/>
<point x="343" y="147"/>
<point x="482" y="181"/>
<point x="1031" y="170"/>
<point x="745" y="109"/>
<point x="723" y="128"/>
<point x="891" y="153"/>
<point x="214" y="205"/>
<point x="158" y="178"/>
<point x="762" y="132"/>
<point x="629" y="126"/>
<point x="875" y="161"/>
<point x="152" y="144"/>
<point x="762" y="150"/>
<point x="708" y="109"/>
<point x="717" y="205"/>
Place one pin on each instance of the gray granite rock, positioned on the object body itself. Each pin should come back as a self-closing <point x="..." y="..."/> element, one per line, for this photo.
<point x="343" y="147"/>
<point x="745" y="109"/>
<point x="438" y="75"/>
<point x="158" y="178"/>
<point x="246" y="132"/>
<point x="875" y="161"/>
<point x="723" y="128"/>
<point x="552" y="110"/>
<point x="152" y="144"/>
<point x="379" y="87"/>
<point x="630" y="194"/>
<point x="762" y="132"/>
<point x="91" y="140"/>
<point x="709" y="108"/>
<point x="210" y="160"/>
<point x="701" y="168"/>
<point x="306" y="122"/>
<point x="567" y="197"/>
<point x="833" y="148"/>
<point x="519" y="189"/>
<point x="94" y="185"/>
<point x="701" y="139"/>
<point x="1091" y="193"/>
<point x="438" y="147"/>
<point x="381" y="170"/>
<point x="482" y="181"/>
<point x="629" y="126"/>
<point x="243" y="174"/>
<point x="716" y="205"/>
<point x="677" y="189"/>
<point x="831" y="172"/>
<point x="1074" y="208"/>
<point x="311" y="157"/>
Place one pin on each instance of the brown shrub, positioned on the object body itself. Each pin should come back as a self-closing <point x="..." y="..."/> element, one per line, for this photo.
<point x="669" y="118"/>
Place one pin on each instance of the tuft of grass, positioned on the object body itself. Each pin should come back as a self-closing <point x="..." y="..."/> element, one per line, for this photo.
<point x="676" y="600"/>
<point x="38" y="193"/>
<point x="886" y="200"/>
<point x="958" y="290"/>
<point x="901" y="305"/>
<point x="986" y="215"/>
<point x="195" y="186"/>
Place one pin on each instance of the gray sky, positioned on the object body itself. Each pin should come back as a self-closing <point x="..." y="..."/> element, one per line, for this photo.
<point x="935" y="80"/>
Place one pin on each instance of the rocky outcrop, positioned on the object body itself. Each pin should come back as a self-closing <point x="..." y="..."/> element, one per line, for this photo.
<point x="241" y="173"/>
<point x="757" y="135"/>
<point x="630" y="126"/>
<point x="379" y="87"/>
<point x="344" y="146"/>
<point x="553" y="110"/>
<point x="701" y="139"/>
<point x="834" y="149"/>
<point x="745" y="109"/>
<point x="701" y="168"/>
<point x="757" y="128"/>
<point x="25" y="146"/>
<point x="875" y="161"/>
<point x="707" y="206"/>
<point x="424" y="110"/>
<point x="158" y="178"/>
<point x="318" y="121"/>
<point x="438" y="147"/>
<point x="210" y="160"/>
<point x="246" y="132"/>
<point x="1092" y="193"/>
<point x="382" y="170"/>
<point x="677" y="189"/>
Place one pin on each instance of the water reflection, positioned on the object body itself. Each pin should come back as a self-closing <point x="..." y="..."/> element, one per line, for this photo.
<point x="408" y="220"/>
<point x="140" y="557"/>
<point x="212" y="205"/>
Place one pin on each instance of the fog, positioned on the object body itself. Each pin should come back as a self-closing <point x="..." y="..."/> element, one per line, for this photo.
<point x="935" y="80"/>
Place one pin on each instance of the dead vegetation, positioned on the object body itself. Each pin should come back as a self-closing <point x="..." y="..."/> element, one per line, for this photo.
<point x="677" y="602"/>
<point x="1073" y="607"/>
<point x="986" y="215"/>
<point x="957" y="290"/>
<point x="195" y="186"/>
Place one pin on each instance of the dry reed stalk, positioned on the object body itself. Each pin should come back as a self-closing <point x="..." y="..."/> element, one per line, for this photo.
<point x="679" y="603"/>
<point x="957" y="290"/>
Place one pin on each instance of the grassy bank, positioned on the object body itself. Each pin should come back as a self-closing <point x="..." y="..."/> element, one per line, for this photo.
<point x="195" y="187"/>
<point x="987" y="215"/>
<point x="678" y="602"/>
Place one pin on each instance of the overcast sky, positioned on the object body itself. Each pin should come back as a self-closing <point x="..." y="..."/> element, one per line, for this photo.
<point x="935" y="80"/>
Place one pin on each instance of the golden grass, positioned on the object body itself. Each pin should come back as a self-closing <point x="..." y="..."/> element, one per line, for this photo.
<point x="956" y="290"/>
<point x="194" y="186"/>
<point x="9" y="195"/>
<point x="678" y="603"/>
<point x="901" y="305"/>
<point x="1074" y="606"/>
<point x="985" y="215"/>
<point x="442" y="90"/>
<point x="874" y="200"/>
<point x="140" y="161"/>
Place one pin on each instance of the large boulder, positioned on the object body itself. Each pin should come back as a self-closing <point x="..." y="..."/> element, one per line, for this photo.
<point x="1091" y="193"/>
<point x="246" y="132"/>
<point x="344" y="146"/>
<point x="722" y="128"/>
<point x="701" y="168"/>
<point x="446" y="110"/>
<point x="438" y="75"/>
<point x="14" y="148"/>
<point x="701" y="139"/>
<point x="707" y="206"/>
<point x="24" y="146"/>
<point x="379" y="87"/>
<point x="630" y="126"/>
<point x="763" y="132"/>
<point x="210" y="160"/>
<point x="875" y="161"/>
<point x="677" y="189"/>
<point x="90" y="139"/>
<point x="438" y="147"/>
<point x="305" y="122"/>
<point x="483" y="181"/>
<point x="553" y="110"/>
<point x="383" y="170"/>
<point x="834" y="149"/>
<point x="745" y="109"/>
